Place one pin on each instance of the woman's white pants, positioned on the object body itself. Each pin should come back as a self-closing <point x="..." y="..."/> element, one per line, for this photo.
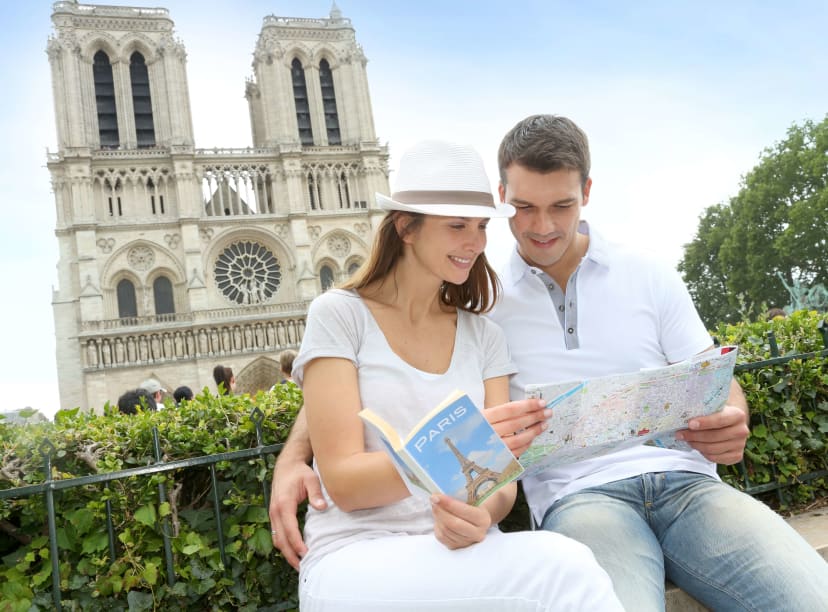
<point x="529" y="571"/>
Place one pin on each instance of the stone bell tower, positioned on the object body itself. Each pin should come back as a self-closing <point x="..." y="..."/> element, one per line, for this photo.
<point x="172" y="258"/>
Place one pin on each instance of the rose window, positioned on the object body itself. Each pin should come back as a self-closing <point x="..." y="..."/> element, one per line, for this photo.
<point x="247" y="273"/>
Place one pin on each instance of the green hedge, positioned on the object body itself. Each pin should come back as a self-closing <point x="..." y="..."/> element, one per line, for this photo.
<point x="789" y="408"/>
<point x="789" y="421"/>
<point x="256" y="577"/>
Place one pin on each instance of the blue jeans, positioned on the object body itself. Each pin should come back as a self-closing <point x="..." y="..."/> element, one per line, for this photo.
<point x="723" y="547"/>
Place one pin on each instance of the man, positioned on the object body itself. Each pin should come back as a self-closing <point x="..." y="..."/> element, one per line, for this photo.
<point x="154" y="388"/>
<point x="132" y="400"/>
<point x="575" y="306"/>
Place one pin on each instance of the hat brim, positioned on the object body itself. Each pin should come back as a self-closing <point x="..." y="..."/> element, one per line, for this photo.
<point x="447" y="210"/>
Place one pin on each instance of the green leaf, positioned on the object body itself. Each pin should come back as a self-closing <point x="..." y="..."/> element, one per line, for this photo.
<point x="150" y="573"/>
<point x="41" y="576"/>
<point x="164" y="509"/>
<point x="95" y="542"/>
<point x="66" y="416"/>
<point x="81" y="520"/>
<point x="256" y="514"/>
<point x="260" y="541"/>
<point x="146" y="515"/>
<point x="139" y="601"/>
<point x="191" y="549"/>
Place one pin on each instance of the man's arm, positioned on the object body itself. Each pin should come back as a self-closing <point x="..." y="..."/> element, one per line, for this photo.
<point x="293" y="482"/>
<point x="721" y="437"/>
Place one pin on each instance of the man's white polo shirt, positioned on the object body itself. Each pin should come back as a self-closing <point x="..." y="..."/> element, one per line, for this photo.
<point x="633" y="312"/>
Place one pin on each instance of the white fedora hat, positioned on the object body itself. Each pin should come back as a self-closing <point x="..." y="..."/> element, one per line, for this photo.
<point x="446" y="179"/>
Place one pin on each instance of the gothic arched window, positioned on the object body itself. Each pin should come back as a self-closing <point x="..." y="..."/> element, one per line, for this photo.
<point x="300" y="98"/>
<point x="127" y="306"/>
<point x="163" y="292"/>
<point x="141" y="101"/>
<point x="343" y="190"/>
<point x="313" y="192"/>
<point x="353" y="267"/>
<point x="105" y="101"/>
<point x="326" y="277"/>
<point x="329" y="103"/>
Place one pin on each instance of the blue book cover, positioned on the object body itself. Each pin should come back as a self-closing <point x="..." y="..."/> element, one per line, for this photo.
<point x="453" y="450"/>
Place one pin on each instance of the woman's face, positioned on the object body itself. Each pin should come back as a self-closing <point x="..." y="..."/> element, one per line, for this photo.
<point x="448" y="246"/>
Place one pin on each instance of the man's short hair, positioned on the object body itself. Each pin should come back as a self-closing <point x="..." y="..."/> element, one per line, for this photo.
<point x="152" y="386"/>
<point x="182" y="393"/>
<point x="545" y="143"/>
<point x="129" y="402"/>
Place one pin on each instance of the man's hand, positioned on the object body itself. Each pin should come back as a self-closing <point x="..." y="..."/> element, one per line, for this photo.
<point x="518" y="422"/>
<point x="457" y="525"/>
<point x="720" y="437"/>
<point x="292" y="484"/>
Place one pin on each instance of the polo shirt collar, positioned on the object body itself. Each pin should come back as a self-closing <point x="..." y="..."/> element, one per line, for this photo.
<point x="597" y="251"/>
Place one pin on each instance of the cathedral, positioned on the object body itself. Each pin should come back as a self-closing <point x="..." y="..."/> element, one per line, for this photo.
<point x="174" y="259"/>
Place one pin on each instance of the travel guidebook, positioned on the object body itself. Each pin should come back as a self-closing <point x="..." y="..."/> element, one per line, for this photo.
<point x="601" y="415"/>
<point x="453" y="450"/>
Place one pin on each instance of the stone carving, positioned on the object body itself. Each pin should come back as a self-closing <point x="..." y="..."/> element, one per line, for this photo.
<point x="196" y="281"/>
<point x="120" y="355"/>
<point x="105" y="244"/>
<point x="172" y="240"/>
<point x="53" y="48"/>
<point x="206" y="233"/>
<point x="361" y="228"/>
<point x="141" y="258"/>
<point x="203" y="342"/>
<point x="106" y="355"/>
<point x="89" y="288"/>
<point x="247" y="273"/>
<point x="160" y="347"/>
<point x="339" y="245"/>
<point x="132" y="355"/>
<point x="281" y="230"/>
<point x="314" y="231"/>
<point x="172" y="46"/>
<point x="92" y="354"/>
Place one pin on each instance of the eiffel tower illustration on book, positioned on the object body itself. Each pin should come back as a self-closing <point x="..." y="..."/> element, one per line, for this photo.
<point x="477" y="477"/>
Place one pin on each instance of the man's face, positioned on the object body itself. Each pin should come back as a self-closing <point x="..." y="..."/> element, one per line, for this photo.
<point x="548" y="211"/>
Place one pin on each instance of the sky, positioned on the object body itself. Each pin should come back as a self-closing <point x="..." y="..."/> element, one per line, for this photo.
<point x="678" y="99"/>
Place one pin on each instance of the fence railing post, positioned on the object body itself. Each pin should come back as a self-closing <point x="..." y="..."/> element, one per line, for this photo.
<point x="165" y="521"/>
<point x="257" y="416"/>
<point x="217" y="514"/>
<point x="46" y="449"/>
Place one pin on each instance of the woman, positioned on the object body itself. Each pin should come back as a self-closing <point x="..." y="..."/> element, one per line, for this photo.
<point x="399" y="337"/>
<point x="225" y="380"/>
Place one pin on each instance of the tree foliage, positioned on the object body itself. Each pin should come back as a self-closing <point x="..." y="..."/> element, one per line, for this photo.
<point x="773" y="233"/>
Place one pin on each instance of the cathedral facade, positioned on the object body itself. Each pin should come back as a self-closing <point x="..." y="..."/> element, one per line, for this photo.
<point x="175" y="259"/>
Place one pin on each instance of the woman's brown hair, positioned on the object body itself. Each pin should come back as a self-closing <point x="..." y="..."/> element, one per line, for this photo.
<point x="478" y="294"/>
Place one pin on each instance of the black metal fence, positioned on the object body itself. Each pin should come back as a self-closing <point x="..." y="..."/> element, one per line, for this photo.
<point x="50" y="486"/>
<point x="777" y="359"/>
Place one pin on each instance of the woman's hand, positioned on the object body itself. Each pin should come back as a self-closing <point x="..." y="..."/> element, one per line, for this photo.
<point x="456" y="524"/>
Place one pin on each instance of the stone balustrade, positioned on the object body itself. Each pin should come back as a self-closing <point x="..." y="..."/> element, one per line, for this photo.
<point x="99" y="10"/>
<point x="171" y="341"/>
<point x="254" y="311"/>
